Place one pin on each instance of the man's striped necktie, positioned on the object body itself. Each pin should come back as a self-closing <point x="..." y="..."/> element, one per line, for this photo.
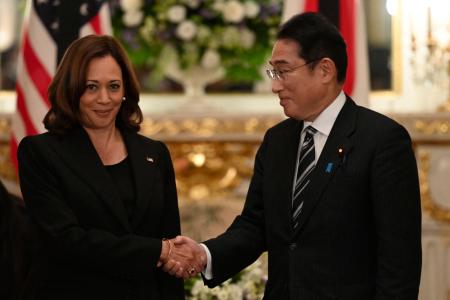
<point x="305" y="167"/>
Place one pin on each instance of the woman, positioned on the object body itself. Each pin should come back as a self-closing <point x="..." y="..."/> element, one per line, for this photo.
<point x="103" y="197"/>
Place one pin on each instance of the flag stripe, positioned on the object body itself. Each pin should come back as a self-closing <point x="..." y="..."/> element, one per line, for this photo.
<point x="36" y="105"/>
<point x="22" y="108"/>
<point x="311" y="5"/>
<point x="36" y="70"/>
<point x="95" y="23"/>
<point x="347" y="27"/>
<point x="17" y="127"/>
<point x="105" y="20"/>
<point x="13" y="146"/>
<point x="38" y="36"/>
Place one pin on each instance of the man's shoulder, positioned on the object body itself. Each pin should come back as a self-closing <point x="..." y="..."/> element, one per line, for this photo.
<point x="376" y="120"/>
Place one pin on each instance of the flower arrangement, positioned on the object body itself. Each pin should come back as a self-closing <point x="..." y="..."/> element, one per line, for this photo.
<point x="249" y="284"/>
<point x="234" y="34"/>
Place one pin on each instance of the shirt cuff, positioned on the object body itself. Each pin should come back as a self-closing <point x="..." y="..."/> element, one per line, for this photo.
<point x="207" y="272"/>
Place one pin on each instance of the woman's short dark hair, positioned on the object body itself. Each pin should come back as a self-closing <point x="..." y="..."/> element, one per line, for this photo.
<point x="69" y="84"/>
<point x="317" y="38"/>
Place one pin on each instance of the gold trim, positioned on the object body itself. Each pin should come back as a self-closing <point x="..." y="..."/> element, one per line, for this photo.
<point x="208" y="127"/>
<point x="211" y="170"/>
<point x="435" y="210"/>
<point x="433" y="127"/>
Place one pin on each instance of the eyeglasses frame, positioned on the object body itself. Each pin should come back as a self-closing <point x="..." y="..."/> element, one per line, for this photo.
<point x="278" y="75"/>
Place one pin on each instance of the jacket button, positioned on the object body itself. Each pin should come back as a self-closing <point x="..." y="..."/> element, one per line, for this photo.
<point x="293" y="246"/>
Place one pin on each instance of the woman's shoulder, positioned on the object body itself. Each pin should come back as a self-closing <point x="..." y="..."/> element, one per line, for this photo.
<point x="38" y="140"/>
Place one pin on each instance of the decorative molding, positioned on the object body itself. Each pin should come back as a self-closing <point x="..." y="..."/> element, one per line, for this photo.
<point x="212" y="170"/>
<point x="208" y="127"/>
<point x="432" y="127"/>
<point x="7" y="169"/>
<point x="213" y="156"/>
<point x="435" y="210"/>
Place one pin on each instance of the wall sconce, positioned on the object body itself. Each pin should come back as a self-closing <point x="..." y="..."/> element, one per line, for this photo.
<point x="430" y="48"/>
<point x="8" y="16"/>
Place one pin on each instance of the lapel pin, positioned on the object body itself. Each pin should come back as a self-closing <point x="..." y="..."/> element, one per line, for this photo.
<point x="341" y="154"/>
<point x="149" y="159"/>
<point x="329" y="168"/>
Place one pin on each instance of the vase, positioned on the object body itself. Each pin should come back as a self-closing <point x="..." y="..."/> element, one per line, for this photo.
<point x="194" y="81"/>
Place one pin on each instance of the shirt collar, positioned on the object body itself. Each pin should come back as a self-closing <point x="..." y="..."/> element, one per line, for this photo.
<point x="325" y="120"/>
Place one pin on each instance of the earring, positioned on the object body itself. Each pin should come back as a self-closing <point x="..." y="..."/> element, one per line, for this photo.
<point x="123" y="98"/>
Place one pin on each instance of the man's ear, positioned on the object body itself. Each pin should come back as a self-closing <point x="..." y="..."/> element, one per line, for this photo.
<point x="327" y="69"/>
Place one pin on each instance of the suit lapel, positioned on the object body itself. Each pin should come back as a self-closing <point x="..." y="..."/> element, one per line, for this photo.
<point x="330" y="159"/>
<point x="288" y="157"/>
<point x="79" y="154"/>
<point x="143" y="165"/>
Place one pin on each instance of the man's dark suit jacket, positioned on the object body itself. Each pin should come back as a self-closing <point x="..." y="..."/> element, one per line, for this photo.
<point x="91" y="249"/>
<point x="359" y="235"/>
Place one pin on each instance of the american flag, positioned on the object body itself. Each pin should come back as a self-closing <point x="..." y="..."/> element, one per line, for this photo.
<point x="348" y="16"/>
<point x="48" y="29"/>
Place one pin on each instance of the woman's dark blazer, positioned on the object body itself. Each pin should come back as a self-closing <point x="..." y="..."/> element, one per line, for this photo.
<point x="91" y="249"/>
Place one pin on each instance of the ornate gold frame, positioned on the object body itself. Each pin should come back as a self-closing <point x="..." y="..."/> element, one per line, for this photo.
<point x="429" y="204"/>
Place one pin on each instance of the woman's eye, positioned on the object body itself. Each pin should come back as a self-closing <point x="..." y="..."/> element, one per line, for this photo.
<point x="91" y="87"/>
<point x="115" y="86"/>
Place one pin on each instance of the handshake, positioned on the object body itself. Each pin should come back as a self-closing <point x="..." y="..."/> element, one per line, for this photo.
<point x="182" y="257"/>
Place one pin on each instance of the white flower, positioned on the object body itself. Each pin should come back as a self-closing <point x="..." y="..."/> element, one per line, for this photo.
<point x="210" y="59"/>
<point x="203" y="34"/>
<point x="230" y="37"/>
<point x="176" y="13"/>
<point x="233" y="11"/>
<point x="186" y="30"/>
<point x="199" y="288"/>
<point x="247" y="38"/>
<point x="218" y="5"/>
<point x="221" y="293"/>
<point x="130" y="5"/>
<point x="234" y="292"/>
<point x="132" y="18"/>
<point x="190" y="54"/>
<point x="192" y="3"/>
<point x="147" y="30"/>
<point x="251" y="9"/>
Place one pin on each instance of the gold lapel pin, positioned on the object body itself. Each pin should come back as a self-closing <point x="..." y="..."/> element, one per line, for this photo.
<point x="149" y="159"/>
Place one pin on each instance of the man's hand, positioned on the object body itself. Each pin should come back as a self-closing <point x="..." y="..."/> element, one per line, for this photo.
<point x="187" y="258"/>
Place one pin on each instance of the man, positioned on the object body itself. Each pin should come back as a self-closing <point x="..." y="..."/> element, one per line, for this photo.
<point x="334" y="197"/>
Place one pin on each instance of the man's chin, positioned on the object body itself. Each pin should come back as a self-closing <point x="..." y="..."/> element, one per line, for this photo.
<point x="288" y="112"/>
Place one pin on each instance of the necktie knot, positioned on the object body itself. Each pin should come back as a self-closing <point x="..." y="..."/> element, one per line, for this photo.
<point x="310" y="130"/>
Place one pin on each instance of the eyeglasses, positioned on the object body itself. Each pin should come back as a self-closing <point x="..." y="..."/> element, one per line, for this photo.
<point x="281" y="74"/>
